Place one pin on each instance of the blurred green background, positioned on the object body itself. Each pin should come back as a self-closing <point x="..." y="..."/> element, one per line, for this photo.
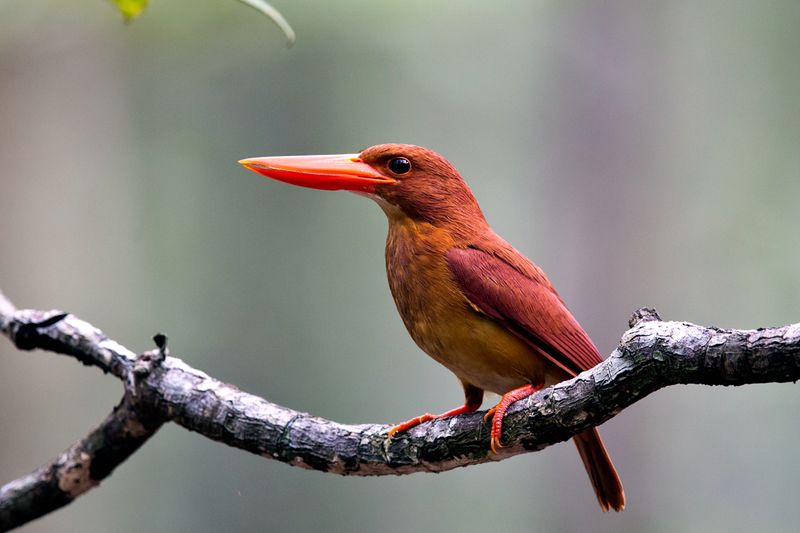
<point x="642" y="153"/>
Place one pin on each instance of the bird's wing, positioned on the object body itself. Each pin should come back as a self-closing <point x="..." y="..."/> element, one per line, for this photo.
<point x="525" y="304"/>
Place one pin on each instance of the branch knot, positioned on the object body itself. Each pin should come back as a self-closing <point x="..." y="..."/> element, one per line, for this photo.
<point x="642" y="315"/>
<point x="146" y="363"/>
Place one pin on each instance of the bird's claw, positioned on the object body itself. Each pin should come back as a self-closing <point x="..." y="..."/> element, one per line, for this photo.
<point x="497" y="430"/>
<point x="494" y="444"/>
<point x="498" y="412"/>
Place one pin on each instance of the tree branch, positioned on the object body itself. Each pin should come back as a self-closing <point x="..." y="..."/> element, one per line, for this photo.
<point x="652" y="354"/>
<point x="78" y="469"/>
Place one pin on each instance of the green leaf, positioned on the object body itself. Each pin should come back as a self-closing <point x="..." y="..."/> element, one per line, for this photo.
<point x="276" y="17"/>
<point x="130" y="9"/>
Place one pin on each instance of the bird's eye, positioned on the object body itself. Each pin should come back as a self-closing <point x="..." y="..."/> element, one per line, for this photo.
<point x="399" y="165"/>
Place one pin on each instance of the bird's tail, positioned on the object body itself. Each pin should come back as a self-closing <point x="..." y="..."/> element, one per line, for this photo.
<point x="606" y="482"/>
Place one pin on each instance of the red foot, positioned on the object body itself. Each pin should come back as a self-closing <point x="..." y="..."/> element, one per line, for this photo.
<point x="408" y="424"/>
<point x="499" y="411"/>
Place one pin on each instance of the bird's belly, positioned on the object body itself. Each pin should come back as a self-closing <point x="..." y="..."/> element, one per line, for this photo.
<point x="480" y="351"/>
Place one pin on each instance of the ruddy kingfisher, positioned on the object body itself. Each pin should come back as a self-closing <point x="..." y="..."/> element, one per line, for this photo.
<point x="467" y="297"/>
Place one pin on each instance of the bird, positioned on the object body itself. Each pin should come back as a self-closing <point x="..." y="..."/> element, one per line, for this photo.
<point x="468" y="299"/>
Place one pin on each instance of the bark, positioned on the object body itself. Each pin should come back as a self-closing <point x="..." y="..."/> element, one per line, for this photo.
<point x="78" y="469"/>
<point x="160" y="388"/>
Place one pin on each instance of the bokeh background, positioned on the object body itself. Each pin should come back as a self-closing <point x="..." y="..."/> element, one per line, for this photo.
<point x="643" y="153"/>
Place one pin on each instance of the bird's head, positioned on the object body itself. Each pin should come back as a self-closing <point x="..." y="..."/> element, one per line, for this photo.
<point x="404" y="179"/>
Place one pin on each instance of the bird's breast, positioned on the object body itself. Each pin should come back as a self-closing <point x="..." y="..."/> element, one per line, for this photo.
<point x="442" y="321"/>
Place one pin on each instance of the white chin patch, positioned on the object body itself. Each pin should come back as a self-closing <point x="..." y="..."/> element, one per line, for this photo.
<point x="369" y="195"/>
<point x="391" y="210"/>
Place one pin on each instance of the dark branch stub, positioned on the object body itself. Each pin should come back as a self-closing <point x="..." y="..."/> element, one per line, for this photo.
<point x="161" y="341"/>
<point x="27" y="335"/>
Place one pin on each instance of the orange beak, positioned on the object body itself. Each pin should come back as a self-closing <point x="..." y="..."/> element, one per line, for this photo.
<point x="326" y="172"/>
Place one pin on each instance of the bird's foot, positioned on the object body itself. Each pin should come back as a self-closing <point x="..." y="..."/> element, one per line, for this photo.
<point x="498" y="412"/>
<point x="408" y="424"/>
